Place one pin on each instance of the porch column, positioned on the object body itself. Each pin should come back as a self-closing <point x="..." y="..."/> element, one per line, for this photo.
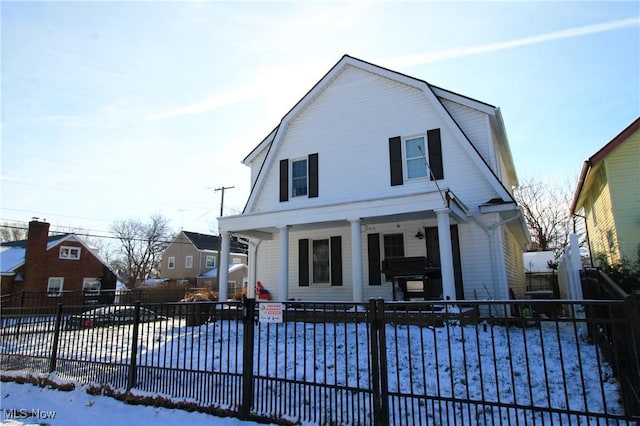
<point x="283" y="284"/>
<point x="223" y="267"/>
<point x="356" y="261"/>
<point x="252" y="262"/>
<point x="446" y="254"/>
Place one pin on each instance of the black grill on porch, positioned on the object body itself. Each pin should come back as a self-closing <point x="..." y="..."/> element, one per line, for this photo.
<point x="404" y="270"/>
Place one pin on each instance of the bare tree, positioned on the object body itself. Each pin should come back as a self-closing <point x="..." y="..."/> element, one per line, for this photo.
<point x="142" y="245"/>
<point x="13" y="232"/>
<point x="546" y="211"/>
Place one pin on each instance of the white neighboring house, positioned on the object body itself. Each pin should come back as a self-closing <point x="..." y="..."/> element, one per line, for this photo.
<point x="342" y="183"/>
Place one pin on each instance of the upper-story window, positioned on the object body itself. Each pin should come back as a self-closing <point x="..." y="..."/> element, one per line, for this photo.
<point x="299" y="178"/>
<point x="415" y="157"/>
<point x="70" y="253"/>
<point x="188" y="262"/>
<point x="210" y="262"/>
<point x="171" y="262"/>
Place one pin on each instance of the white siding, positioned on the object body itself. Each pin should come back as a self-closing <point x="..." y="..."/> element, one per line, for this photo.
<point x="514" y="263"/>
<point x="474" y="124"/>
<point x="475" y="257"/>
<point x="477" y="273"/>
<point x="256" y="164"/>
<point x="348" y="125"/>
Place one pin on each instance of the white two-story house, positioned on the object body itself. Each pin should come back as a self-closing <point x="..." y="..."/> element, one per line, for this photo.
<point x="372" y="164"/>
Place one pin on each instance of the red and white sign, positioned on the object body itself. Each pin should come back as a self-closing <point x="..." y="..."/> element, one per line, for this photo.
<point x="270" y="312"/>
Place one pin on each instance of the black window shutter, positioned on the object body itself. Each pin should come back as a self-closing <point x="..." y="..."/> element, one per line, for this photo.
<point x="373" y="249"/>
<point x="313" y="175"/>
<point x="284" y="180"/>
<point x="435" y="154"/>
<point x="336" y="261"/>
<point x="395" y="160"/>
<point x="303" y="262"/>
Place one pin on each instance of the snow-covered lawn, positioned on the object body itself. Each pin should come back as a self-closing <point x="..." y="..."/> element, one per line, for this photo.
<point x="475" y="373"/>
<point x="28" y="405"/>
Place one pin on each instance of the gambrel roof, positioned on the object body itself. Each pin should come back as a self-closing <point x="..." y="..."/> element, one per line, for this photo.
<point x="434" y="96"/>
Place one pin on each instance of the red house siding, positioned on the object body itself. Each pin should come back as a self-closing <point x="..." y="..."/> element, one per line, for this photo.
<point x="42" y="263"/>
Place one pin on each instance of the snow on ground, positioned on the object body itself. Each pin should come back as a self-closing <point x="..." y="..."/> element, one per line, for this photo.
<point x="27" y="404"/>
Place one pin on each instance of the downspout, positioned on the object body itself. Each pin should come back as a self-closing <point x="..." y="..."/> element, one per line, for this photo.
<point x="490" y="231"/>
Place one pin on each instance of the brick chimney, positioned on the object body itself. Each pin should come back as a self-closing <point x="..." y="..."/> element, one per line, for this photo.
<point x="35" y="267"/>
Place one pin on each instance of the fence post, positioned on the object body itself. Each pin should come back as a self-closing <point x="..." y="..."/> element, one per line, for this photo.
<point x="632" y="308"/>
<point x="380" y="384"/>
<point x="133" y="364"/>
<point x="248" y="327"/>
<point x="53" y="360"/>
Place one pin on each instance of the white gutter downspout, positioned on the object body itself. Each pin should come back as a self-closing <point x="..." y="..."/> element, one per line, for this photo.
<point x="490" y="231"/>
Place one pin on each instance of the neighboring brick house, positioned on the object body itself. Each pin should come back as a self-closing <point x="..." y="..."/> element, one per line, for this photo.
<point x="192" y="257"/>
<point x="60" y="266"/>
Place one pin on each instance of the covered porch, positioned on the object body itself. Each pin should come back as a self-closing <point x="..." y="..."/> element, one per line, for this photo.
<point x="353" y="220"/>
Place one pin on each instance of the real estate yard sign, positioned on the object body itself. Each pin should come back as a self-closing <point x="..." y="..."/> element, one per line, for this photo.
<point x="270" y="312"/>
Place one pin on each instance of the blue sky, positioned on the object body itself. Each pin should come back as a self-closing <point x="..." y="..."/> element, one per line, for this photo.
<point x="118" y="110"/>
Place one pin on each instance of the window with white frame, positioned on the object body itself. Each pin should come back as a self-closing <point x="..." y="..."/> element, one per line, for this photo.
<point x="171" y="262"/>
<point x="210" y="262"/>
<point x="70" y="253"/>
<point x="299" y="178"/>
<point x="91" y="286"/>
<point x="415" y="157"/>
<point x="320" y="263"/>
<point x="236" y="261"/>
<point x="54" y="286"/>
<point x="188" y="262"/>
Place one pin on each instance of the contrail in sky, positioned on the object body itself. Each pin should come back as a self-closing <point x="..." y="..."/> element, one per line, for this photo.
<point x="255" y="91"/>
<point x="425" y="58"/>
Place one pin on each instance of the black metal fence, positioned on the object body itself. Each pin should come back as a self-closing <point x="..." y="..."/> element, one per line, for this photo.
<point x="401" y="363"/>
<point x="158" y="294"/>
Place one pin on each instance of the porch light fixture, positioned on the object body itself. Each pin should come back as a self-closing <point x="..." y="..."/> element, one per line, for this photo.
<point x="419" y="235"/>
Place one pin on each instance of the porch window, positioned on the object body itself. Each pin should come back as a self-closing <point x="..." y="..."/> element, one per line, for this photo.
<point x="320" y="261"/>
<point x="394" y="245"/>
<point x="320" y="266"/>
<point x="54" y="286"/>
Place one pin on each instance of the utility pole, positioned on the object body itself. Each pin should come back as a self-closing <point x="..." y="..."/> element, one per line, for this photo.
<point x="222" y="188"/>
